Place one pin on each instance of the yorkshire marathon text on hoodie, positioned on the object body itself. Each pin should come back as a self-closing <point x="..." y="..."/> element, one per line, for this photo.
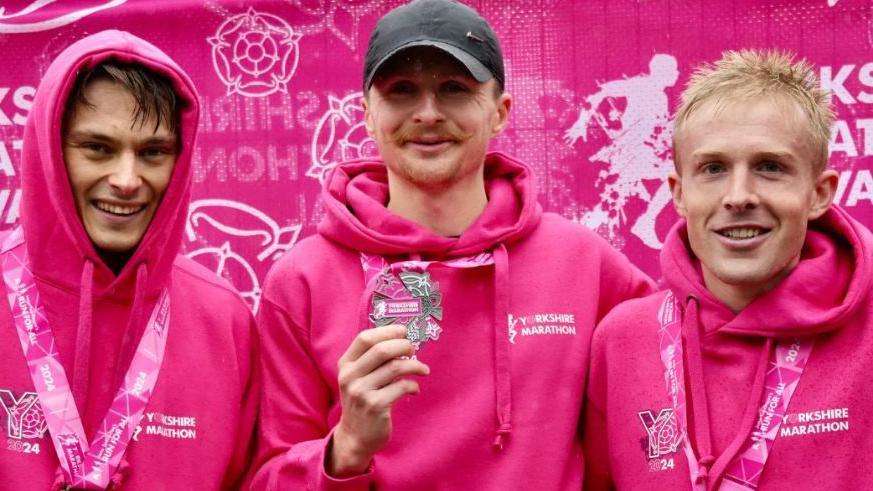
<point x="197" y="430"/>
<point x="632" y="437"/>
<point x="520" y="292"/>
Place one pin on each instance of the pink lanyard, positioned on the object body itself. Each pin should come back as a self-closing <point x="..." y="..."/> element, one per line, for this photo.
<point x="784" y="369"/>
<point x="84" y="466"/>
<point x="403" y="293"/>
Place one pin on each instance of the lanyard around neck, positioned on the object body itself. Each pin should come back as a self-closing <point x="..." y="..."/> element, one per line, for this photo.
<point x="83" y="465"/>
<point x="784" y="369"/>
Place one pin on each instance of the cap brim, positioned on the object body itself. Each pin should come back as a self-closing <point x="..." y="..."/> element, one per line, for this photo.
<point x="474" y="66"/>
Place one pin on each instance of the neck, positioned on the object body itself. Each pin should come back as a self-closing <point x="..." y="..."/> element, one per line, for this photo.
<point x="115" y="260"/>
<point x="447" y="211"/>
<point x="738" y="296"/>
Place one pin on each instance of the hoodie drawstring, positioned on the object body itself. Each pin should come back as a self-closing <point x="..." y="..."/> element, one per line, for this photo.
<point x="81" y="364"/>
<point x="82" y="360"/>
<point x="133" y="322"/>
<point x="707" y="463"/>
<point x="502" y="362"/>
<point x="697" y="389"/>
<point x="127" y="344"/>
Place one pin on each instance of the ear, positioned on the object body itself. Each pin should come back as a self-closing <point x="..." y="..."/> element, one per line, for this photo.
<point x="823" y="193"/>
<point x="675" y="182"/>
<point x="504" y="104"/>
<point x="368" y="118"/>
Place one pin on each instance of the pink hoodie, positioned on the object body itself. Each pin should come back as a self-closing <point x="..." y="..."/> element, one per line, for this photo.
<point x="197" y="429"/>
<point x="824" y="441"/>
<point x="508" y="367"/>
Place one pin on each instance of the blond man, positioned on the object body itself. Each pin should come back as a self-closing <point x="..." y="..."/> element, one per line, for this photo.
<point x="747" y="371"/>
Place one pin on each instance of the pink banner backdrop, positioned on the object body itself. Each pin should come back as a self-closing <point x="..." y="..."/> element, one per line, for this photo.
<point x="594" y="84"/>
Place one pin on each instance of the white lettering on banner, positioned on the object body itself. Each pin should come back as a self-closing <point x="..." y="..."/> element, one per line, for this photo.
<point x="246" y="163"/>
<point x="7" y="168"/>
<point x="276" y="112"/>
<point x="22" y="101"/>
<point x="859" y="183"/>
<point x="841" y="80"/>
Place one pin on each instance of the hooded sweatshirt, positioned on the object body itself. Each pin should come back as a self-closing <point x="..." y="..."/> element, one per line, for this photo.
<point x="501" y="406"/>
<point x="823" y="441"/>
<point x="197" y="430"/>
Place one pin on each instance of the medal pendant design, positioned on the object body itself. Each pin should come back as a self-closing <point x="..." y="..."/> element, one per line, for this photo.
<point x="410" y="298"/>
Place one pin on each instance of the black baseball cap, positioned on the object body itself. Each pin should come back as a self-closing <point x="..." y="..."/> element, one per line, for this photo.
<point x="444" y="24"/>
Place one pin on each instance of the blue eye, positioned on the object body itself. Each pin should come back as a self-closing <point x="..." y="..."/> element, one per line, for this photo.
<point x="713" y="168"/>
<point x="769" y="166"/>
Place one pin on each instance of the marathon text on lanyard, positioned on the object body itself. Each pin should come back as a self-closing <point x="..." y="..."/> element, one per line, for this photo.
<point x="784" y="369"/>
<point x="84" y="466"/>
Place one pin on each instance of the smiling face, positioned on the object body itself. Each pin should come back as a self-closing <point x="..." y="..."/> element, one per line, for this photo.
<point x="747" y="186"/>
<point x="118" y="167"/>
<point x="431" y="119"/>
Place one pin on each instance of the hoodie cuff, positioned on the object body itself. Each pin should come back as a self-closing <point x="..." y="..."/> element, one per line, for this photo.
<point x="326" y="482"/>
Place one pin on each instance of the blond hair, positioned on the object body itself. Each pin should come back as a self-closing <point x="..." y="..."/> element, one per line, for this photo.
<point x="750" y="74"/>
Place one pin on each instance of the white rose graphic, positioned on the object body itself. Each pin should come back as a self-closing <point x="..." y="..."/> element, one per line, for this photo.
<point x="255" y="54"/>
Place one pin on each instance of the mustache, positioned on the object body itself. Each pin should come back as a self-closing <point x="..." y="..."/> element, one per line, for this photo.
<point x="447" y="130"/>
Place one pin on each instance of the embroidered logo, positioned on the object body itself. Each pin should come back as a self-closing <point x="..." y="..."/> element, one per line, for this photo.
<point x="662" y="432"/>
<point x="540" y="325"/>
<point x="828" y="420"/>
<point x="24" y="417"/>
<point x="166" y="426"/>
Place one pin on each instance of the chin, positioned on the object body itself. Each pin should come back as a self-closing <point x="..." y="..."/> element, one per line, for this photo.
<point x="749" y="277"/>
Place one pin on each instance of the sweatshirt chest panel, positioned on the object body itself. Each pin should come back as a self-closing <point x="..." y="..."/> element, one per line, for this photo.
<point x="189" y="425"/>
<point x="820" y="443"/>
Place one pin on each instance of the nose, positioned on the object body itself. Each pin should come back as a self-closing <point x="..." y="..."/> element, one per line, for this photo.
<point x="741" y="194"/>
<point x="124" y="178"/>
<point x="428" y="111"/>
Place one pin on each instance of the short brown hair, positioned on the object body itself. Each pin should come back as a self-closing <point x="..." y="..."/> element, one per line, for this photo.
<point x="152" y="92"/>
<point x="749" y="74"/>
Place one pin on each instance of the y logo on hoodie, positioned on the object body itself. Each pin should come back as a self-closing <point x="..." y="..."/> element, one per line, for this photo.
<point x="24" y="417"/>
<point x="662" y="432"/>
<point x="23" y="420"/>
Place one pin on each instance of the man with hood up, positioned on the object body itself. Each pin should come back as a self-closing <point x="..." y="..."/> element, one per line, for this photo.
<point x="435" y="274"/>
<point x="748" y="372"/>
<point x="123" y="365"/>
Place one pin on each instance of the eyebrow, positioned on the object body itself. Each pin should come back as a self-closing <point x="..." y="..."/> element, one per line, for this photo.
<point x="101" y="137"/>
<point x="766" y="154"/>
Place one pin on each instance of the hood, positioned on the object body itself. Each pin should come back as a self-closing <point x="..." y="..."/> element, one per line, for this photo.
<point x="355" y="196"/>
<point x="826" y="286"/>
<point x="60" y="249"/>
<point x="60" y="252"/>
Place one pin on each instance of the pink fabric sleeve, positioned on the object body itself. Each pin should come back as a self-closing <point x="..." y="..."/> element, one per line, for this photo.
<point x="239" y="469"/>
<point x="620" y="280"/>
<point x="294" y="431"/>
<point x="595" y="435"/>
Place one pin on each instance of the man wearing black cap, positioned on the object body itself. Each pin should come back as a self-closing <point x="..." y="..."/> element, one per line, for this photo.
<point x="434" y="274"/>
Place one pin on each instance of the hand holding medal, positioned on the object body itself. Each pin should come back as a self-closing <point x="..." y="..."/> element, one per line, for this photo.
<point x="372" y="377"/>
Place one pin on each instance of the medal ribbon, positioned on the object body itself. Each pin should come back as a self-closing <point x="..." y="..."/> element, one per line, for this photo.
<point x="403" y="293"/>
<point x="84" y="466"/>
<point x="784" y="369"/>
